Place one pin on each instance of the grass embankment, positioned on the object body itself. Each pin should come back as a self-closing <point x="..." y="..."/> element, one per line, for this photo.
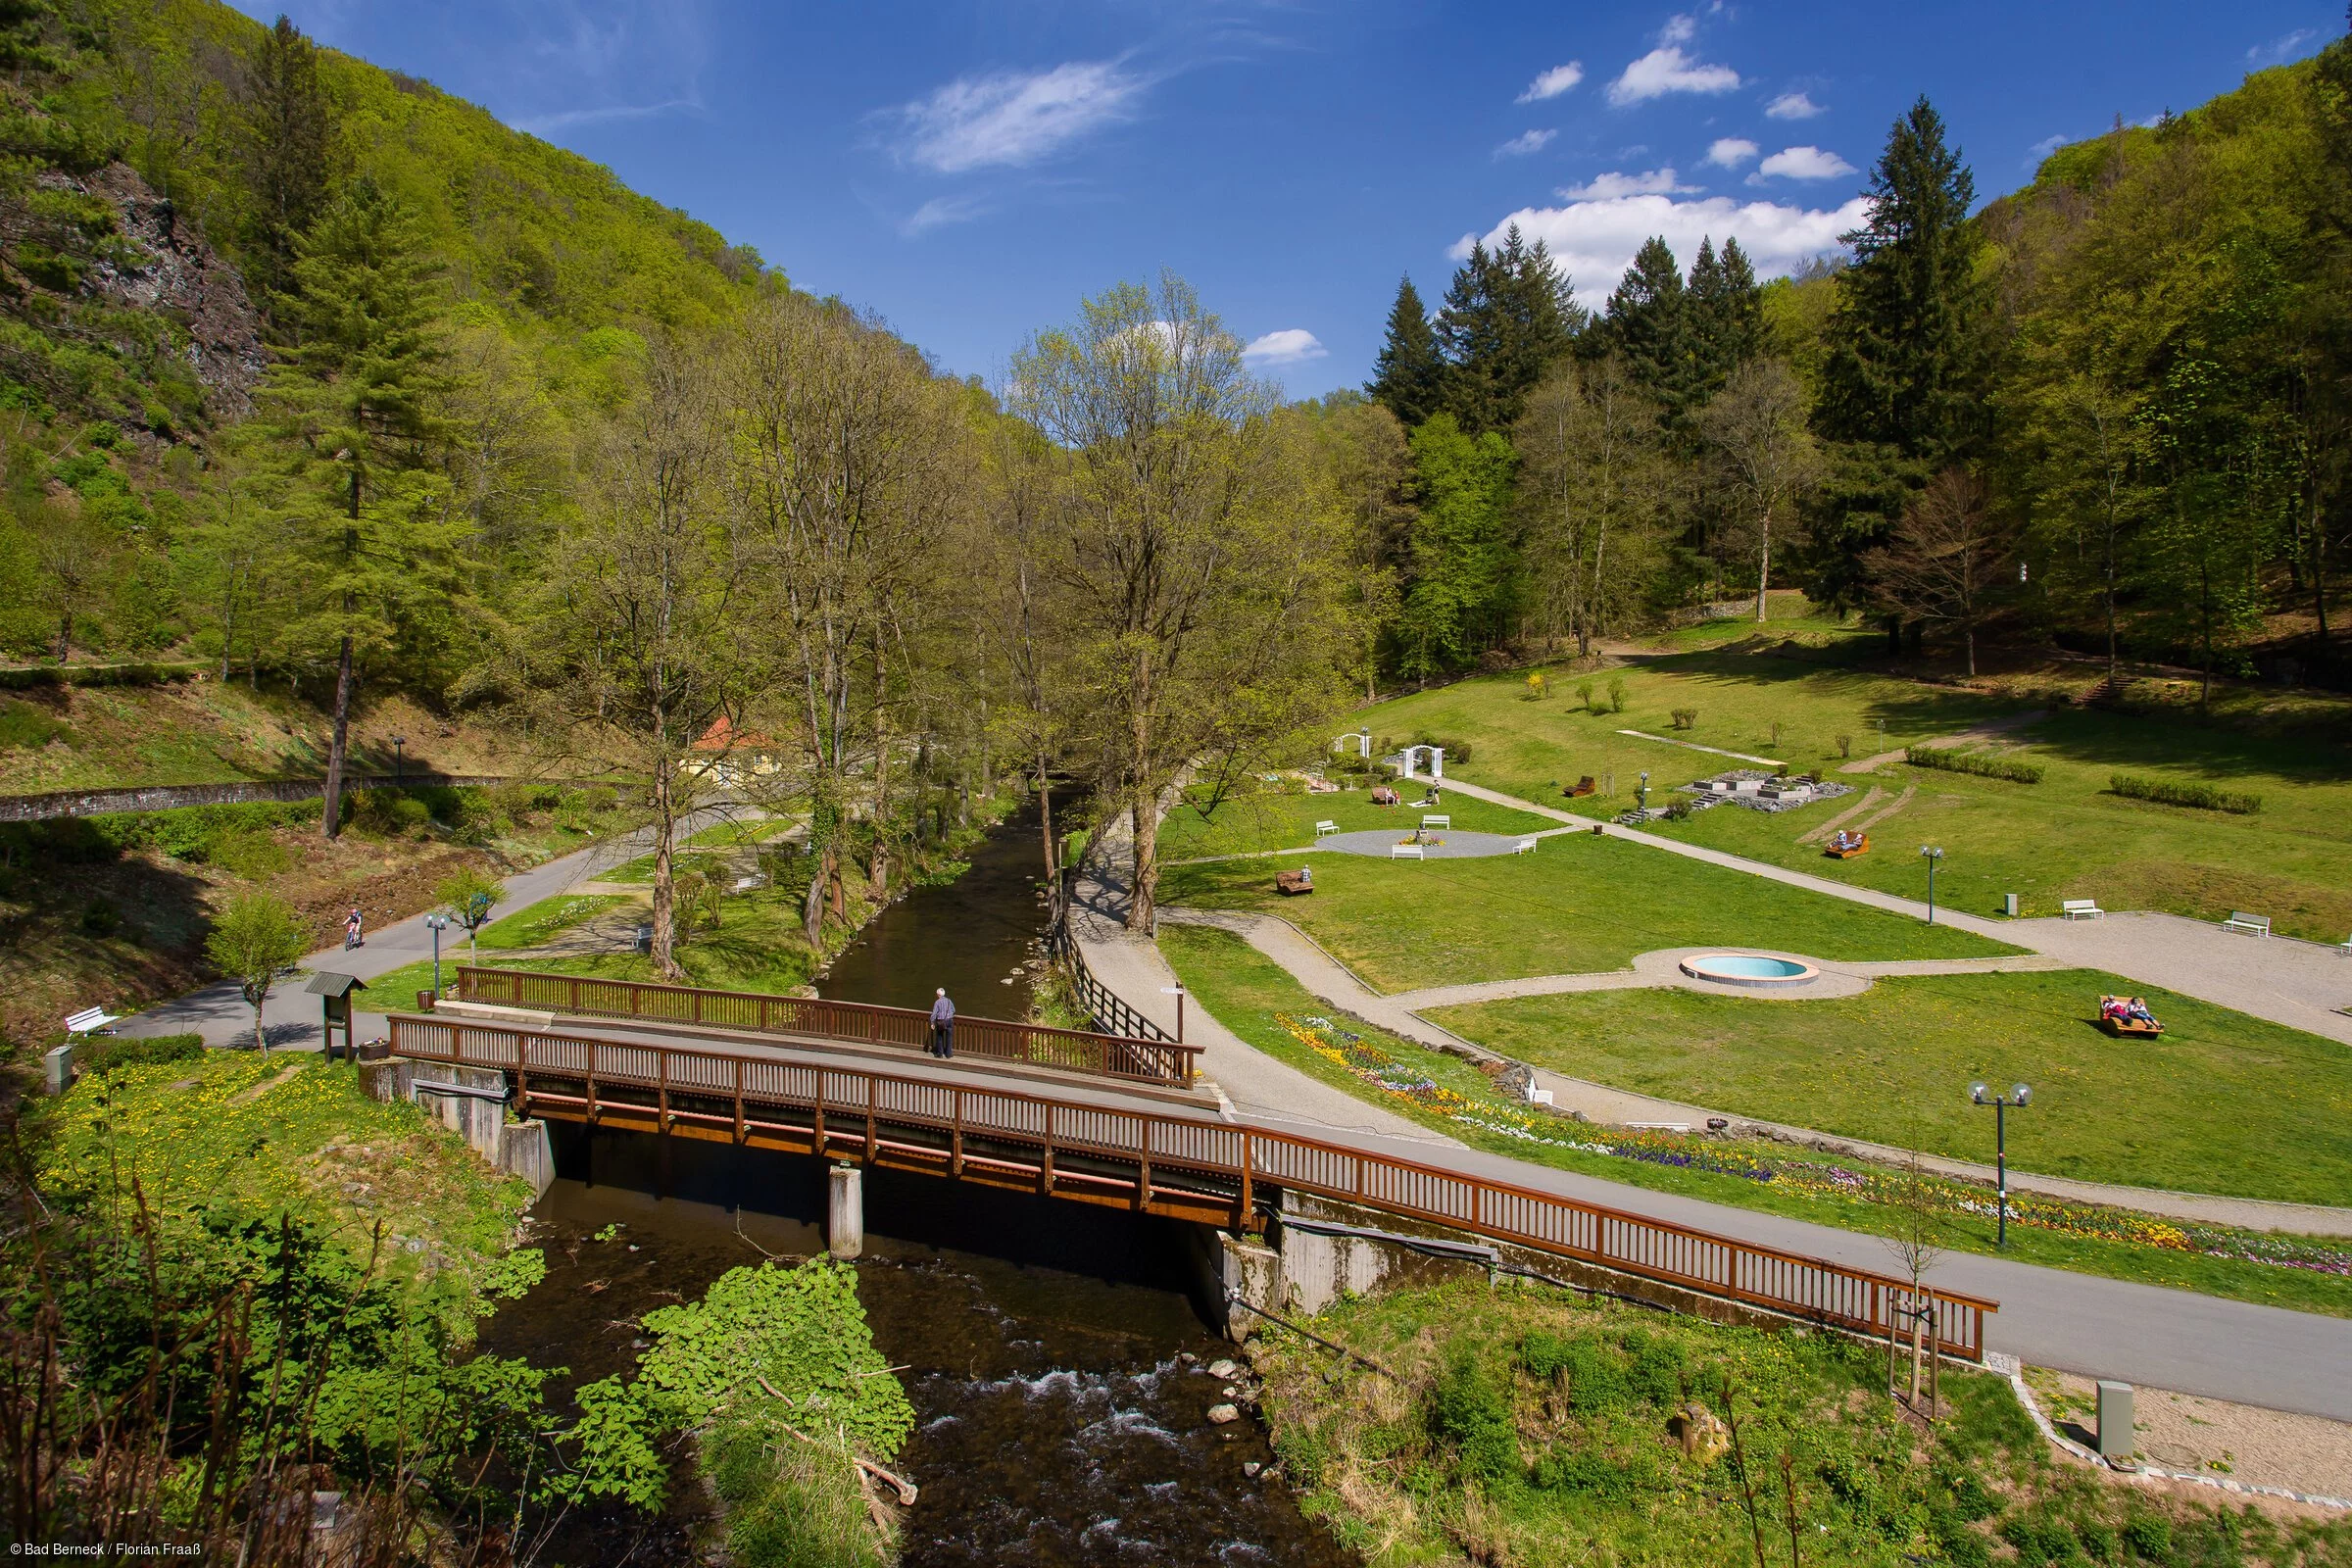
<point x="1249" y="993"/>
<point x="256" y="1136"/>
<point x="1522" y="1425"/>
<point x="2220" y="1102"/>
<point x="1579" y="905"/>
<point x="2066" y="836"/>
<point x="1285" y="819"/>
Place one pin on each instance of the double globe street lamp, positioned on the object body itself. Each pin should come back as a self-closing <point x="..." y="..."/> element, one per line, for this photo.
<point x="2020" y="1096"/>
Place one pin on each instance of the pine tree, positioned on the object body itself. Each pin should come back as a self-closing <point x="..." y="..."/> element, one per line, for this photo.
<point x="290" y="144"/>
<point x="1903" y="380"/>
<point x="1409" y="377"/>
<point x="1507" y="315"/>
<point x="1649" y="324"/>
<point x="1726" y="317"/>
<point x="354" y="403"/>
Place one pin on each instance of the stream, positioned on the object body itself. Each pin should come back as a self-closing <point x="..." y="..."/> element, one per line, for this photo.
<point x="1057" y="1364"/>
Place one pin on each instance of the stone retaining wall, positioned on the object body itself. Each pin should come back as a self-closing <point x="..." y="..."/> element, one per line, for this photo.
<point x="171" y="797"/>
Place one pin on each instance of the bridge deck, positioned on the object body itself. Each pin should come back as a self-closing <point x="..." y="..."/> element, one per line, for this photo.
<point x="1116" y="1149"/>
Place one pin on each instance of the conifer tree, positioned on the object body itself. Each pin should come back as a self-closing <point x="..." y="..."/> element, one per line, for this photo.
<point x="1649" y="324"/>
<point x="1726" y="317"/>
<point x="290" y="137"/>
<point x="1903" y="381"/>
<point x="1507" y="315"/>
<point x="1409" y="377"/>
<point x="354" y="401"/>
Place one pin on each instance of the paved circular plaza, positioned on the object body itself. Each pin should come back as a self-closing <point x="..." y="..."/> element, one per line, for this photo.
<point x="1442" y="844"/>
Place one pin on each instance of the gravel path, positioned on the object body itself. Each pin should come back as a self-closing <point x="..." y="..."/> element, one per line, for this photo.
<point x="2260" y="1447"/>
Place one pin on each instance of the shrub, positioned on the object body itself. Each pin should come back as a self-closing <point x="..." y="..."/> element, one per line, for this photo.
<point x="1471" y="1409"/>
<point x="1845" y="745"/>
<point x="2150" y="1537"/>
<point x="100" y="918"/>
<point x="1616" y="695"/>
<point x="1583" y="696"/>
<point x="105" y="1054"/>
<point x="1585" y="1471"/>
<point x="2038" y="1539"/>
<point x="1544" y="1355"/>
<point x="2199" y="796"/>
<point x="1961" y="1546"/>
<point x="1975" y="763"/>
<point x="1684" y="718"/>
<point x="2098" y="1540"/>
<point x="1596" y="1383"/>
<point x="388" y="811"/>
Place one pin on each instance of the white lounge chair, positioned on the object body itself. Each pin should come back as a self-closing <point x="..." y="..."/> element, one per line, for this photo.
<point x="90" y="1022"/>
<point x="1526" y="846"/>
<point x="1322" y="829"/>
<point x="2253" y="925"/>
<point x="2080" y="909"/>
<point x="1407" y="851"/>
<point x="1440" y="819"/>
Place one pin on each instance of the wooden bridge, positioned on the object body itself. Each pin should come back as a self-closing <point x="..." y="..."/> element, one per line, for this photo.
<point x="1186" y="1166"/>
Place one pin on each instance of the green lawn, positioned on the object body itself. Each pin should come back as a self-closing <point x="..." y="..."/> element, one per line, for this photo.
<point x="1276" y="820"/>
<point x="1244" y="990"/>
<point x="2220" y="1104"/>
<point x="1578" y="904"/>
<point x="2065" y="837"/>
<point x="540" y="922"/>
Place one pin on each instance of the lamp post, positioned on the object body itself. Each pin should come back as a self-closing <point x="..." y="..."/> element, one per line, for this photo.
<point x="1178" y="992"/>
<point x="1932" y="853"/>
<point x="2019" y="1096"/>
<point x="400" y="761"/>
<point x="436" y="925"/>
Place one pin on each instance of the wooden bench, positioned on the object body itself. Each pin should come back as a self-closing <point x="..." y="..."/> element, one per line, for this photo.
<point x="2124" y="1026"/>
<point x="1526" y="846"/>
<point x="1846" y="852"/>
<point x="92" y="1021"/>
<point x="1437" y="820"/>
<point x="1407" y="851"/>
<point x="2253" y="925"/>
<point x="1291" y="884"/>
<point x="1324" y="829"/>
<point x="1583" y="786"/>
<point x="2080" y="909"/>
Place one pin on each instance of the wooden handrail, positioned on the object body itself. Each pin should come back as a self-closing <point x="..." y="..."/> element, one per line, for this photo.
<point x="1134" y="1058"/>
<point x="1073" y="1142"/>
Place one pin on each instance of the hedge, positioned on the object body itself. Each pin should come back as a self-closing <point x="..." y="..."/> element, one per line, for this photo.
<point x="2202" y="797"/>
<point x="1973" y="763"/>
<point x="104" y="1054"/>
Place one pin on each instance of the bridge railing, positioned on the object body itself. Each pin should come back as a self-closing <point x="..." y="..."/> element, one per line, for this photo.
<point x="1143" y="1060"/>
<point x="1157" y="1153"/>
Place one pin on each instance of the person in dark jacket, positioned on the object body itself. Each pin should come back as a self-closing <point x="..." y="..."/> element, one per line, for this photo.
<point x="943" y="1025"/>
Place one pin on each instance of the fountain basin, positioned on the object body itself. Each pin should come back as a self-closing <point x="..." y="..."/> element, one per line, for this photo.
<point x="1748" y="970"/>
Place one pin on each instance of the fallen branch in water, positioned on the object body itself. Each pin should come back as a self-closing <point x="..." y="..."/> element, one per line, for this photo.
<point x="906" y="1489"/>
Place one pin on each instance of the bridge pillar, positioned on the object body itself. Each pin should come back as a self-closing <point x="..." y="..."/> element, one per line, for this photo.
<point x="845" y="1212"/>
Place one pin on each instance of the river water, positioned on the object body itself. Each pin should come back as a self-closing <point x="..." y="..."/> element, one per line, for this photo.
<point x="1057" y="1365"/>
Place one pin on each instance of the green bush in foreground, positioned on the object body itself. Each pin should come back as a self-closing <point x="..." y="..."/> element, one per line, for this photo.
<point x="104" y="1054"/>
<point x="1974" y="763"/>
<point x="2199" y="797"/>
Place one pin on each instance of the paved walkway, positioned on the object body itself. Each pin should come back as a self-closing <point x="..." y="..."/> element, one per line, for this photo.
<point x="292" y="1017"/>
<point x="2082" y="1323"/>
<point x="2299" y="984"/>
<point x="1403" y="1013"/>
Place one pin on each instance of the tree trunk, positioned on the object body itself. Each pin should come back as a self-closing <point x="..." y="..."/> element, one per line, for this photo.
<point x="1971" y="649"/>
<point x="338" y="746"/>
<point x="812" y="907"/>
<point x="1045" y="812"/>
<point x="665" y="885"/>
<point x="1919" y="1340"/>
<point x="1763" y="566"/>
<point x="64" y="635"/>
<point x="261" y="1041"/>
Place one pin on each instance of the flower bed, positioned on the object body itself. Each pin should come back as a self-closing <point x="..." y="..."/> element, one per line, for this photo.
<point x="1854" y="1183"/>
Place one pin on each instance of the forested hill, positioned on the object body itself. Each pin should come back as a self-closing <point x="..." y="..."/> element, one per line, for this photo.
<point x="243" y="145"/>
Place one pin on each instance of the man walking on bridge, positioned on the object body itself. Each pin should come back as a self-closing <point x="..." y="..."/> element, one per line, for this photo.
<point x="943" y="1025"/>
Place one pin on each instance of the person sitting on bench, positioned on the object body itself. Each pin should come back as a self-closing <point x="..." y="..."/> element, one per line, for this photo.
<point x="2114" y="1009"/>
<point x="1845" y="839"/>
<point x="2138" y="1011"/>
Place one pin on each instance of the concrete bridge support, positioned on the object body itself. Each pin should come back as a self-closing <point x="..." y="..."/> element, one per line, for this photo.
<point x="470" y="1101"/>
<point x="845" y="1212"/>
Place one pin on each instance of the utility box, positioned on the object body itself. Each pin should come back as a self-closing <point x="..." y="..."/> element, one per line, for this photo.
<point x="2115" y="1421"/>
<point x="57" y="1074"/>
<point x="2009" y="904"/>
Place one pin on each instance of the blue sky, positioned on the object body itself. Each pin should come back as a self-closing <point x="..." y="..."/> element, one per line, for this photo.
<point x="971" y="171"/>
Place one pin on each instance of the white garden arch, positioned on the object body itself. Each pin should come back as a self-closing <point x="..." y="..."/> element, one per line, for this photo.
<point x="1360" y="739"/>
<point x="1437" y="761"/>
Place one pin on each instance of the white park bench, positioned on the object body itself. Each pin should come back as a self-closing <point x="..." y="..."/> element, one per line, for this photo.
<point x="2080" y="909"/>
<point x="1407" y="851"/>
<point x="1321" y="828"/>
<point x="1526" y="846"/>
<point x="2345" y="948"/>
<point x="2253" y="925"/>
<point x="1440" y="819"/>
<point x="90" y="1022"/>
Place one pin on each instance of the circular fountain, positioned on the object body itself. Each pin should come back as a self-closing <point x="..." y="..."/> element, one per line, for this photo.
<point x="1753" y="969"/>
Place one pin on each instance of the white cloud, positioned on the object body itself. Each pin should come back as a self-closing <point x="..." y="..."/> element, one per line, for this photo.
<point x="1667" y="69"/>
<point x="1553" y="82"/>
<point x="939" y="212"/>
<point x="1602" y="187"/>
<point x="1793" y="105"/>
<point x="1803" y="163"/>
<point x="1730" y="152"/>
<point x="2280" y="48"/>
<point x="1527" y="141"/>
<point x="1012" y="117"/>
<point x="1595" y="241"/>
<point x="1679" y="29"/>
<point x="2043" y="148"/>
<point x="1293" y="345"/>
